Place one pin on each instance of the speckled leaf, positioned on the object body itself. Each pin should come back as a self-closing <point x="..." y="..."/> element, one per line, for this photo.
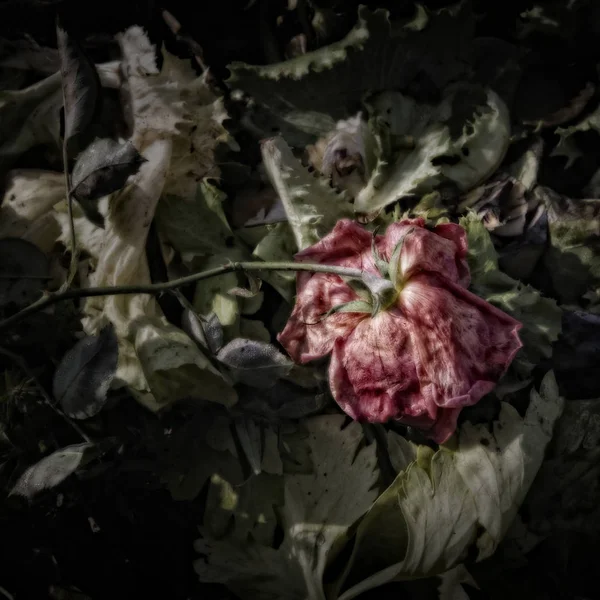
<point x="84" y="375"/>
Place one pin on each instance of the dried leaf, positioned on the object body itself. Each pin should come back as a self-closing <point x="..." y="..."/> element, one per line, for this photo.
<point x="206" y="331"/>
<point x="51" y="470"/>
<point x="84" y="375"/>
<point x="81" y="89"/>
<point x="251" y="440"/>
<point x="101" y="169"/>
<point x="254" y="363"/>
<point x="26" y="209"/>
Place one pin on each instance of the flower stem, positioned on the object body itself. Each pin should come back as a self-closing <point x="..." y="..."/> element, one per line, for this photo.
<point x="158" y="288"/>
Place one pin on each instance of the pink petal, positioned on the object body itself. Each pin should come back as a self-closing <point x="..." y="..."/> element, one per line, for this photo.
<point x="372" y="373"/>
<point x="458" y="235"/>
<point x="348" y="244"/>
<point x="307" y="336"/>
<point x="463" y="344"/>
<point x="441" y="251"/>
<point x="373" y="377"/>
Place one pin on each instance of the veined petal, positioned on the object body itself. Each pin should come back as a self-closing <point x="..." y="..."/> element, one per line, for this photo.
<point x="458" y="235"/>
<point x="307" y="334"/>
<point x="348" y="245"/>
<point x="373" y="375"/>
<point x="442" y="252"/>
<point x="463" y="344"/>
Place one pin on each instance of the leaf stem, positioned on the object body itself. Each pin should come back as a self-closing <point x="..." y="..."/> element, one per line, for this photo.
<point x="158" y="288"/>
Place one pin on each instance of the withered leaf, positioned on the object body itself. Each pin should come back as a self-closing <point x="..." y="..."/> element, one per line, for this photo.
<point x="81" y="89"/>
<point x="85" y="373"/>
<point x="256" y="364"/>
<point x="101" y="169"/>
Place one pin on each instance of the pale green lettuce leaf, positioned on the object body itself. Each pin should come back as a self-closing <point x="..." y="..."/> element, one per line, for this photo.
<point x="311" y="205"/>
<point x="211" y="295"/>
<point x="175" y="368"/>
<point x="30" y="117"/>
<point x="253" y="329"/>
<point x="309" y="93"/>
<point x="197" y="226"/>
<point x="278" y="245"/>
<point x="446" y="501"/>
<point x="464" y="142"/>
<point x="541" y="317"/>
<point x="573" y="255"/>
<point x="318" y="510"/>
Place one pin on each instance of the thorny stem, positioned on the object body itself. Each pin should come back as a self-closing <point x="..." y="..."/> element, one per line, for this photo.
<point x="20" y="361"/>
<point x="158" y="288"/>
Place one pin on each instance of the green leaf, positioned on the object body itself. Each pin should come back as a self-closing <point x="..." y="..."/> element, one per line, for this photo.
<point x="309" y="93"/>
<point x="81" y="90"/>
<point x="444" y="502"/>
<point x="198" y="226"/>
<point x="52" y="470"/>
<point x="312" y="206"/>
<point x="573" y="256"/>
<point x="278" y="245"/>
<point x="101" y="169"/>
<point x="254" y="363"/>
<point x="464" y="142"/>
<point x="565" y="497"/>
<point x="253" y="329"/>
<point x="541" y="317"/>
<point x="186" y="459"/>
<point x="83" y="377"/>
<point x="175" y="368"/>
<point x="29" y="117"/>
<point x="211" y="296"/>
<point x="318" y="510"/>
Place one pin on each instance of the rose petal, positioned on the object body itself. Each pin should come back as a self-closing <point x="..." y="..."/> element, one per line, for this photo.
<point x="307" y="335"/>
<point x="372" y="372"/>
<point x="463" y="344"/>
<point x="348" y="245"/>
<point x="458" y="235"/>
<point x="425" y="250"/>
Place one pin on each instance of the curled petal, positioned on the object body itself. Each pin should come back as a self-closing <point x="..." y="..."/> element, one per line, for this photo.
<point x="441" y="251"/>
<point x="463" y="344"/>
<point x="348" y="245"/>
<point x="307" y="335"/>
<point x="458" y="235"/>
<point x="372" y="373"/>
<point x="374" y="377"/>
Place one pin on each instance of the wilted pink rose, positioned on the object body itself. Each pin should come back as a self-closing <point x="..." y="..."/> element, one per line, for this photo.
<point x="436" y="349"/>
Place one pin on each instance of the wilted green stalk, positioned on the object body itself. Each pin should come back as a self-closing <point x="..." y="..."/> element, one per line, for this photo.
<point x="49" y="299"/>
